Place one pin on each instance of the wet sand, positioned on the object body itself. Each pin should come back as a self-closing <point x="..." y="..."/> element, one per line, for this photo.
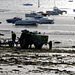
<point x="43" y="61"/>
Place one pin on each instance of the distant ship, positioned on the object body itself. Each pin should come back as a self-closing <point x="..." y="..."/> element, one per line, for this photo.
<point x="27" y="4"/>
<point x="73" y="10"/>
<point x="70" y="1"/>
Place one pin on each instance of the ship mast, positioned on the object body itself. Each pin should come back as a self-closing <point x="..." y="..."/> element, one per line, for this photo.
<point x="54" y="4"/>
<point x="38" y="3"/>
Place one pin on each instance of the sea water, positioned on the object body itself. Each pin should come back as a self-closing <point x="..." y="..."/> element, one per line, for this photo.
<point x="63" y="29"/>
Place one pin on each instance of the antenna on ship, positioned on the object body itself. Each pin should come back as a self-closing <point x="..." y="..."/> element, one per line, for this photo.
<point x="38" y="3"/>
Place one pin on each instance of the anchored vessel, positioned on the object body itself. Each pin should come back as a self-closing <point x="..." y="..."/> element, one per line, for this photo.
<point x="13" y="20"/>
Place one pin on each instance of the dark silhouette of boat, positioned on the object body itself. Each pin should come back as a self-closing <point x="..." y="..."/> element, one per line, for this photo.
<point x="70" y="1"/>
<point x="13" y="20"/>
<point x="56" y="11"/>
<point x="27" y="4"/>
<point x="0" y="22"/>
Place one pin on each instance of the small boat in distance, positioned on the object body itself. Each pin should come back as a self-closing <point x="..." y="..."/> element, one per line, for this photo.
<point x="27" y="4"/>
<point x="74" y="18"/>
<point x="13" y="20"/>
<point x="0" y="22"/>
<point x="70" y="1"/>
<point x="56" y="11"/>
<point x="73" y="10"/>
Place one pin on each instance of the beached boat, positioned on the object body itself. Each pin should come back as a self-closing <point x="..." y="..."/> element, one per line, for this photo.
<point x="13" y="20"/>
<point x="26" y="22"/>
<point x="46" y="21"/>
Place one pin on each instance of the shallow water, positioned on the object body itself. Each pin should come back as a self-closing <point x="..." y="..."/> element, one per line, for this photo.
<point x="62" y="30"/>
